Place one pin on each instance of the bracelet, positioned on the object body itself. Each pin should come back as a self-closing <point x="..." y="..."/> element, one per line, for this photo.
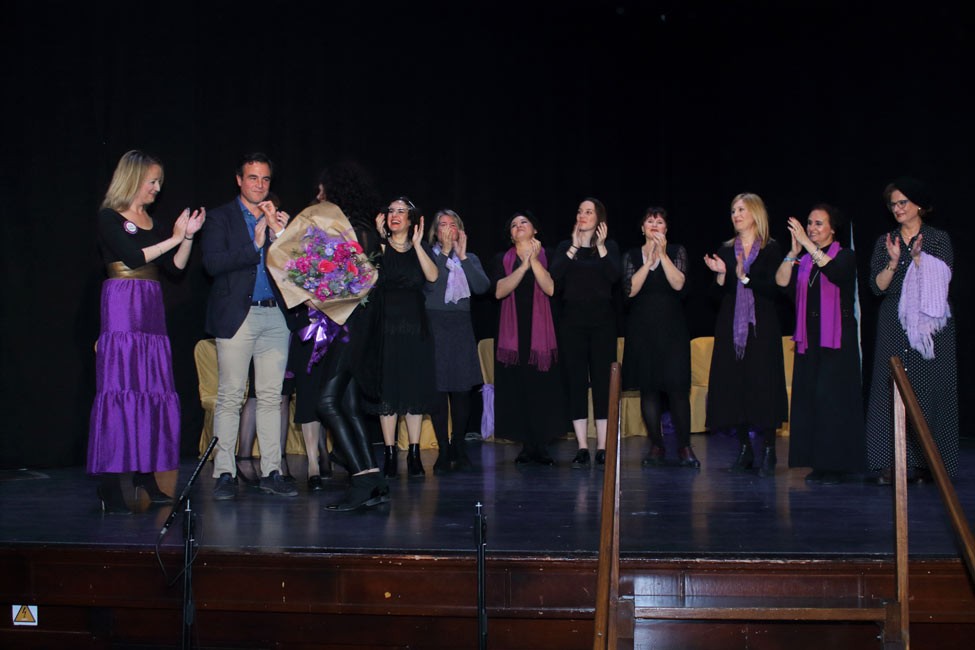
<point x="789" y="258"/>
<point x="574" y="251"/>
<point x="887" y="268"/>
<point x="188" y="238"/>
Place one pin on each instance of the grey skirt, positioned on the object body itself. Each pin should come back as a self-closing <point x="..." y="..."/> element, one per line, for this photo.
<point x="456" y="366"/>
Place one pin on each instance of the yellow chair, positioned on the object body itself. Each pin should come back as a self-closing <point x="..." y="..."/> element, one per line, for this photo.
<point x="701" y="349"/>
<point x="205" y="356"/>
<point x="788" y="358"/>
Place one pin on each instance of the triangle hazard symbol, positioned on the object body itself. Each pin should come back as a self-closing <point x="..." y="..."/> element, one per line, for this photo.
<point x="24" y="615"/>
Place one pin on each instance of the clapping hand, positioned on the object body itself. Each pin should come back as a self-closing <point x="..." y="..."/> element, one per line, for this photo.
<point x="716" y="264"/>
<point x="577" y="237"/>
<point x="894" y="249"/>
<point x="195" y="221"/>
<point x="381" y="224"/>
<point x="916" y="248"/>
<point x="601" y="230"/>
<point x="418" y="233"/>
<point x="799" y="237"/>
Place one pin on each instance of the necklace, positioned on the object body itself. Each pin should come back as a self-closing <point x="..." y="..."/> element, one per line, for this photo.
<point x="813" y="276"/>
<point x="402" y="248"/>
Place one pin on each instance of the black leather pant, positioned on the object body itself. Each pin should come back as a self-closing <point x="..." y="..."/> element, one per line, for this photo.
<point x="339" y="409"/>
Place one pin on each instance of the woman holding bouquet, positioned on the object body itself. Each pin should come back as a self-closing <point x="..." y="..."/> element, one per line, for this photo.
<point x="456" y="366"/>
<point x="134" y="425"/>
<point x="406" y="377"/>
<point x="529" y="403"/>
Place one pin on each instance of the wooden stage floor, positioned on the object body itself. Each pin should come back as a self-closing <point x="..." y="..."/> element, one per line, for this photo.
<point x="668" y="511"/>
<point x="285" y="573"/>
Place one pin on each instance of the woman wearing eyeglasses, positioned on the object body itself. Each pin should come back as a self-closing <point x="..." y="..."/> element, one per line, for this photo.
<point x="911" y="270"/>
<point x="406" y="377"/>
<point x="657" y="357"/>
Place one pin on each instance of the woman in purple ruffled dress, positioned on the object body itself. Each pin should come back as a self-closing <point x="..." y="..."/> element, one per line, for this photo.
<point x="134" y="425"/>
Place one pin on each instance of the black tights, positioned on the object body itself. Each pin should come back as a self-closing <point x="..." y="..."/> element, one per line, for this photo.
<point x="651" y="406"/>
<point x="767" y="435"/>
<point x="460" y="412"/>
<point x="339" y="409"/>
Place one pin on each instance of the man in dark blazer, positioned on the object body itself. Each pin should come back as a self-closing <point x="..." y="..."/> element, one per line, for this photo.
<point x="246" y="315"/>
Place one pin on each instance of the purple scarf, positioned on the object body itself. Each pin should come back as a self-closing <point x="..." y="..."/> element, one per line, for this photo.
<point x="923" y="308"/>
<point x="544" y="350"/>
<point x="457" y="287"/>
<point x="830" y="316"/>
<point x="744" y="299"/>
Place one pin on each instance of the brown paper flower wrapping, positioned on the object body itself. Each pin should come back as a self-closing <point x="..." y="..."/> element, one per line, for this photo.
<point x="329" y="218"/>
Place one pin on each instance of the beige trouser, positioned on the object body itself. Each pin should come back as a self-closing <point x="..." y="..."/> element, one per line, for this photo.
<point x="264" y="337"/>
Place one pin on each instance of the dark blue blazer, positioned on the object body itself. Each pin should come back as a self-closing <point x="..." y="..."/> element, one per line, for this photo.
<point x="230" y="258"/>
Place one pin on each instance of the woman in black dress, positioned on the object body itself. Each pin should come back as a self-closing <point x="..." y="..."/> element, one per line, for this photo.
<point x="924" y="342"/>
<point x="406" y="376"/>
<point x="586" y="268"/>
<point x="528" y="398"/>
<point x="746" y="388"/>
<point x="826" y="423"/>
<point x="657" y="357"/>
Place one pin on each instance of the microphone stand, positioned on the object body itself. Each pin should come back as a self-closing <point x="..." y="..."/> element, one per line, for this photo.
<point x="189" y="544"/>
<point x="480" y="533"/>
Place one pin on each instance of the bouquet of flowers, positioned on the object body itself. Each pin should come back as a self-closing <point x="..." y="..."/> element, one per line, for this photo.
<point x="317" y="260"/>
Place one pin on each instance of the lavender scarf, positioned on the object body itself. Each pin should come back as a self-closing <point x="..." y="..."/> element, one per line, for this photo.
<point x="544" y="350"/>
<point x="744" y="299"/>
<point x="457" y="287"/>
<point x="923" y="308"/>
<point x="830" y="315"/>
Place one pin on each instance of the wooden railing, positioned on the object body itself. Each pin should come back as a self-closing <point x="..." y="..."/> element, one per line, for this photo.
<point x="608" y="570"/>
<point x="893" y="615"/>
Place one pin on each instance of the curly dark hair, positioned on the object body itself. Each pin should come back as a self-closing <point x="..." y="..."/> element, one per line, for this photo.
<point x="348" y="185"/>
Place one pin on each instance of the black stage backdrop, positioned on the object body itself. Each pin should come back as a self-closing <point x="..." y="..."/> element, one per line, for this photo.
<point x="485" y="107"/>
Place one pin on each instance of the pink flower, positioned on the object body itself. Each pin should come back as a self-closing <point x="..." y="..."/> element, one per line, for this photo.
<point x="352" y="268"/>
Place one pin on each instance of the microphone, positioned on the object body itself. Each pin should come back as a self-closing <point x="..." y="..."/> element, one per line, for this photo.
<point x="185" y="495"/>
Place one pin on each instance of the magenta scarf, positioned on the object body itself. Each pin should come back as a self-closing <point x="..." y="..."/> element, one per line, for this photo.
<point x="923" y="308"/>
<point x="744" y="299"/>
<point x="544" y="350"/>
<point x="830" y="315"/>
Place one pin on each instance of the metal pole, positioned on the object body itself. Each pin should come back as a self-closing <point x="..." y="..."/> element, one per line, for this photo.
<point x="480" y="528"/>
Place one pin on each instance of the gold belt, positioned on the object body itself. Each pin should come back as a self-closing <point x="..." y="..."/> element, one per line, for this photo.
<point x="119" y="271"/>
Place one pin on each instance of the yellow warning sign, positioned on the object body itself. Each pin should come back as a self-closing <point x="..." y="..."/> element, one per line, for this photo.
<point x="24" y="614"/>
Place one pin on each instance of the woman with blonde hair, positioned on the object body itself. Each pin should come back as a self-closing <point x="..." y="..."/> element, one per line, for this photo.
<point x="134" y="425"/>
<point x="456" y="366"/>
<point x="746" y="389"/>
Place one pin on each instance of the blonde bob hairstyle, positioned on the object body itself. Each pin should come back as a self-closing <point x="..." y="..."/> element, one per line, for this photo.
<point x="756" y="206"/>
<point x="435" y="226"/>
<point x="132" y="169"/>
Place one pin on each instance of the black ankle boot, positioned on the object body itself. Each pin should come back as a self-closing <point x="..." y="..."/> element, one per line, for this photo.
<point x="389" y="461"/>
<point x="458" y="450"/>
<point x="147" y="483"/>
<point x="767" y="467"/>
<point x="110" y="495"/>
<point x="444" y="453"/>
<point x="413" y="463"/>
<point x="366" y="491"/>
<point x="746" y="457"/>
<point x="656" y="456"/>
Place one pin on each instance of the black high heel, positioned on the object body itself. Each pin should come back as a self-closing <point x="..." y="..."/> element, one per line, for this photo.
<point x="413" y="463"/>
<point x="746" y="457"/>
<point x="389" y="461"/>
<point x="146" y="481"/>
<point x="686" y="458"/>
<point x="110" y="495"/>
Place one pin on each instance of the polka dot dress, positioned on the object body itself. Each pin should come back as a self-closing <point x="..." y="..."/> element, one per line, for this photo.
<point x="934" y="381"/>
